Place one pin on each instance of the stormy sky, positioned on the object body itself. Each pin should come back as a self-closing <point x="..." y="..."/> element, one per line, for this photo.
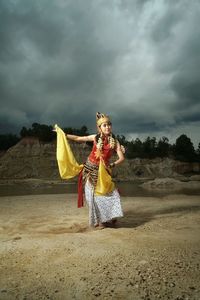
<point x="61" y="61"/>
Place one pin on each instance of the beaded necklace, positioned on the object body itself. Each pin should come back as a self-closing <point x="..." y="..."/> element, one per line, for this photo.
<point x="111" y="142"/>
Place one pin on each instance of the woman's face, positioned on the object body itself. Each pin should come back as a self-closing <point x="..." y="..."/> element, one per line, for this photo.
<point x="106" y="128"/>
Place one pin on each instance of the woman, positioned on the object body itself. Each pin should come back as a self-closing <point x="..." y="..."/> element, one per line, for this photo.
<point x="104" y="207"/>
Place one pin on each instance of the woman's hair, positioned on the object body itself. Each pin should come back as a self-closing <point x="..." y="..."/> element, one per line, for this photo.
<point x="99" y="135"/>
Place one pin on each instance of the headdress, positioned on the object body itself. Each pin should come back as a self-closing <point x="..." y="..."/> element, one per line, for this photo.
<point x="101" y="118"/>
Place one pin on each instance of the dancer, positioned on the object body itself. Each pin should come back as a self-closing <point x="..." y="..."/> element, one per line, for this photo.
<point x="102" y="197"/>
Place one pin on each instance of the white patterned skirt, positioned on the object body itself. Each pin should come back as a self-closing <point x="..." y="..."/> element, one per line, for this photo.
<point x="102" y="208"/>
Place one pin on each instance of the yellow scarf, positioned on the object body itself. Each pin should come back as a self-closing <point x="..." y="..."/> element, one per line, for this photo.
<point x="105" y="184"/>
<point x="68" y="166"/>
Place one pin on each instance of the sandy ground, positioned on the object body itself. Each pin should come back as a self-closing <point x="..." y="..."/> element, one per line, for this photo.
<point x="48" y="252"/>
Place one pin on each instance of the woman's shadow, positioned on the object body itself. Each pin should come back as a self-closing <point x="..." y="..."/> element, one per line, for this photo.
<point x="135" y="218"/>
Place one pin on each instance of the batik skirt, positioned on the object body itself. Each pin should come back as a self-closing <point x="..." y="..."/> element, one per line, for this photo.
<point x="102" y="208"/>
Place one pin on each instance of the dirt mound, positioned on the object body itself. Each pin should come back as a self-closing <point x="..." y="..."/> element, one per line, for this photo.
<point x="32" y="159"/>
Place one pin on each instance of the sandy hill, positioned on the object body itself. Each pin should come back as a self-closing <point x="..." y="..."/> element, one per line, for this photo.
<point x="31" y="158"/>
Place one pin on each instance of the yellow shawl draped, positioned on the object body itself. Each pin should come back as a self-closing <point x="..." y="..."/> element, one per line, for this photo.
<point x="68" y="166"/>
<point x="105" y="184"/>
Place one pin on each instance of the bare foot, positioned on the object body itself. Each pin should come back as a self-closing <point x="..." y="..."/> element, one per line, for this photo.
<point x="99" y="226"/>
<point x="102" y="225"/>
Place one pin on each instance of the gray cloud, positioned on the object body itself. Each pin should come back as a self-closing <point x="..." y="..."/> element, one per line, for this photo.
<point x="61" y="61"/>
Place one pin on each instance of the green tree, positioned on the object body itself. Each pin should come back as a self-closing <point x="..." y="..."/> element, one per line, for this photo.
<point x="24" y="132"/>
<point x="43" y="132"/>
<point x="138" y="149"/>
<point x="122" y="139"/>
<point x="129" y="149"/>
<point x="198" y="149"/>
<point x="184" y="149"/>
<point x="163" y="147"/>
<point x="81" y="132"/>
<point x="149" y="147"/>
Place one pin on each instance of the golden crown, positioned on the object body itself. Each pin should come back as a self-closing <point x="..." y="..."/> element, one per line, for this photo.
<point x="101" y="118"/>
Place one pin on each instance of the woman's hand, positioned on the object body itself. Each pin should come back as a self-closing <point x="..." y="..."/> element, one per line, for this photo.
<point x="112" y="165"/>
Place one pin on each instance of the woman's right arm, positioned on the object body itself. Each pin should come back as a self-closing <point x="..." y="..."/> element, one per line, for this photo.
<point x="76" y="138"/>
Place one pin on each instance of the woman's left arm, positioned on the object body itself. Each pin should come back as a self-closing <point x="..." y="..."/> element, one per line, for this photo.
<point x="119" y="154"/>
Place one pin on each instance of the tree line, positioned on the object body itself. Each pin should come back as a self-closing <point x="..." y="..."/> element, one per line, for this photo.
<point x="43" y="132"/>
<point x="183" y="149"/>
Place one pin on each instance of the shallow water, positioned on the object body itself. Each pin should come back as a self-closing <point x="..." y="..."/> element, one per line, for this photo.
<point x="126" y="189"/>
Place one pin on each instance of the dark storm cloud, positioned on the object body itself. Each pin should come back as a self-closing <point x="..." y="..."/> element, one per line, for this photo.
<point x="62" y="64"/>
<point x="174" y="36"/>
<point x="61" y="61"/>
<point x="27" y="21"/>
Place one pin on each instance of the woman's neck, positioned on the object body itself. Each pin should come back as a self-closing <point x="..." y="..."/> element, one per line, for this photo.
<point x="106" y="135"/>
